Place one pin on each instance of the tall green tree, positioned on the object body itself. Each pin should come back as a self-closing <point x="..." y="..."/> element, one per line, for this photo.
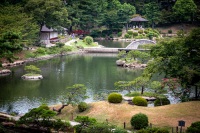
<point x="14" y="19"/>
<point x="53" y="13"/>
<point x="184" y="9"/>
<point x="9" y="44"/>
<point x="152" y="13"/>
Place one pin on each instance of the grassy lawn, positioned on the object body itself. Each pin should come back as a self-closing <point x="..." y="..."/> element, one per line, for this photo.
<point x="117" y="114"/>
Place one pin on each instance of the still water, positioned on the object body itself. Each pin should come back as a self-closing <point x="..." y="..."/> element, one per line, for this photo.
<point x="98" y="72"/>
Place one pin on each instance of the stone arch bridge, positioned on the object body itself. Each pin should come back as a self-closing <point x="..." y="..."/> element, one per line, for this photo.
<point x="132" y="46"/>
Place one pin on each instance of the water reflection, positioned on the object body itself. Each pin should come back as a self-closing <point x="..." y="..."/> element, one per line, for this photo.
<point x="97" y="71"/>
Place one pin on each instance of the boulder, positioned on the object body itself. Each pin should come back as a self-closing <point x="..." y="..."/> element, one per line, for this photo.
<point x="5" y="72"/>
<point x="120" y="62"/>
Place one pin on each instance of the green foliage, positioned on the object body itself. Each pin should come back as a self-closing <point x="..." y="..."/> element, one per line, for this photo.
<point x="152" y="13"/>
<point x="115" y="98"/>
<point x="156" y="86"/>
<point x="52" y="13"/>
<point x="14" y="19"/>
<point x="32" y="69"/>
<point x="121" y="54"/>
<point x="180" y="33"/>
<point x="194" y="128"/>
<point x="123" y="85"/>
<point x="139" y="101"/>
<point x="146" y="31"/>
<point x="119" y="34"/>
<point x="170" y="31"/>
<point x="139" y="121"/>
<point x="150" y="35"/>
<point x="140" y="82"/>
<point x="184" y="9"/>
<point x="135" y="34"/>
<point x="39" y="116"/>
<point x="74" y="94"/>
<point x="161" y="101"/>
<point x="9" y="44"/>
<point x="153" y="130"/>
<point x="82" y="106"/>
<point x="59" y="44"/>
<point x="127" y="36"/>
<point x="59" y="125"/>
<point x="140" y="31"/>
<point x="130" y="32"/>
<point x="88" y="40"/>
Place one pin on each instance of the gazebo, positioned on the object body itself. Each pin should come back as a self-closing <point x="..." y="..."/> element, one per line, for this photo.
<point x="138" y="21"/>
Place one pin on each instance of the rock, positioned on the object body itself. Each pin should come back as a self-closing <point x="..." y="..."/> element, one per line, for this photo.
<point x="120" y="62"/>
<point x="5" y="72"/>
<point x="16" y="63"/>
<point x="8" y="124"/>
<point x="36" y="77"/>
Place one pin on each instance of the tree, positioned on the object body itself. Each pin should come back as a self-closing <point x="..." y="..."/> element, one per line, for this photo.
<point x="124" y="85"/>
<point x="152" y="13"/>
<point x="14" y="19"/>
<point x="32" y="69"/>
<point x="184" y="9"/>
<point x="178" y="58"/>
<point x="74" y="95"/>
<point x="140" y="82"/>
<point x="9" y="44"/>
<point x="52" y="13"/>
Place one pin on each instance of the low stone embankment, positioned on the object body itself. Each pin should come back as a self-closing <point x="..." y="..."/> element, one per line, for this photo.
<point x="130" y="65"/>
<point x="22" y="62"/>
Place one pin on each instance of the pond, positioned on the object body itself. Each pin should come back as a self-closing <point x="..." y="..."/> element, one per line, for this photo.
<point x="98" y="72"/>
<point x="113" y="44"/>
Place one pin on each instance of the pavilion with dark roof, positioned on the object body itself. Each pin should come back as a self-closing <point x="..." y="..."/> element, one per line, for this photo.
<point x="138" y="21"/>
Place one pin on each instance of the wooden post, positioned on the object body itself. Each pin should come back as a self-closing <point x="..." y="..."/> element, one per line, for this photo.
<point x="72" y="116"/>
<point x="150" y="125"/>
<point x="124" y="125"/>
<point x="176" y="129"/>
<point x="172" y="130"/>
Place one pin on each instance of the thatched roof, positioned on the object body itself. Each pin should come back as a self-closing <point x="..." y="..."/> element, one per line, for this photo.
<point x="138" y="19"/>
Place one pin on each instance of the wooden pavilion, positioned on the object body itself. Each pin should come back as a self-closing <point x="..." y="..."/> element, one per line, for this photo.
<point x="137" y="21"/>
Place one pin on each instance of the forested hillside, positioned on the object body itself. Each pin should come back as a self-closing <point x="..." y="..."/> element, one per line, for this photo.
<point x="25" y="17"/>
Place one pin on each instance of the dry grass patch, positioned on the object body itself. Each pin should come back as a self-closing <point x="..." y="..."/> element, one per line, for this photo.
<point x="117" y="114"/>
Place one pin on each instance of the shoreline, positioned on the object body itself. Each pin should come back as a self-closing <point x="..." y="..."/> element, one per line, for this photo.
<point x="45" y="57"/>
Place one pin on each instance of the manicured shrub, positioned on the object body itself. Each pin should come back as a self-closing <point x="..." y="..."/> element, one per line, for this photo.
<point x="82" y="106"/>
<point x="139" y="101"/>
<point x="130" y="32"/>
<point x="194" y="128"/>
<point x="139" y="121"/>
<point x="140" y="31"/>
<point x="170" y="31"/>
<point x="135" y="34"/>
<point x="115" y="98"/>
<point x="146" y="31"/>
<point x="119" y="34"/>
<point x="88" y="40"/>
<point x="127" y="36"/>
<point x="161" y="101"/>
<point x="40" y="51"/>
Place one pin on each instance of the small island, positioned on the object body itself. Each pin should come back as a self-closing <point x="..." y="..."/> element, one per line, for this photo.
<point x="33" y="73"/>
<point x="132" y="59"/>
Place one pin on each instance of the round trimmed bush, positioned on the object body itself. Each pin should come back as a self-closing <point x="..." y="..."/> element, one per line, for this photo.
<point x="139" y="101"/>
<point x="130" y="32"/>
<point x="119" y="34"/>
<point x="82" y="106"/>
<point x="127" y="36"/>
<point x="139" y="121"/>
<point x="194" y="128"/>
<point x="161" y="101"/>
<point x="135" y="34"/>
<point x="140" y="31"/>
<point x="115" y="98"/>
<point x="88" y="40"/>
